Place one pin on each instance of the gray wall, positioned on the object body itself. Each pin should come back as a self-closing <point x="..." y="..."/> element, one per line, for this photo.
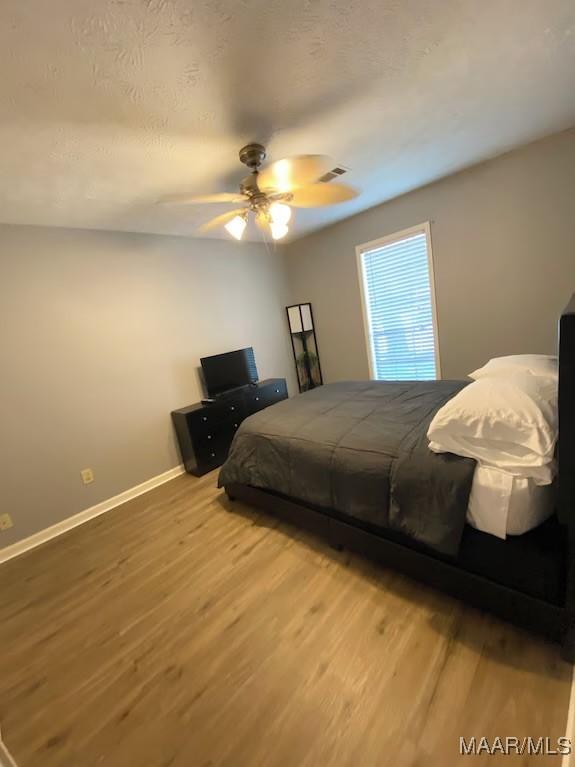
<point x="100" y="338"/>
<point x="503" y="239"/>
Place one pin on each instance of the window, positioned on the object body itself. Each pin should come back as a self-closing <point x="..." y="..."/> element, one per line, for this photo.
<point x="396" y="278"/>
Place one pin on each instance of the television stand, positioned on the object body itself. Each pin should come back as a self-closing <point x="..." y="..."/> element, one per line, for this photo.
<point x="205" y="430"/>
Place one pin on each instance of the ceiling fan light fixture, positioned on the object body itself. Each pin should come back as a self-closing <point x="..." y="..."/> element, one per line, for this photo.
<point x="280" y="213"/>
<point x="237" y="226"/>
<point x="278" y="230"/>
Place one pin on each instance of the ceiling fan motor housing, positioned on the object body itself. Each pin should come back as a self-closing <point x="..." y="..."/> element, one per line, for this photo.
<point x="252" y="155"/>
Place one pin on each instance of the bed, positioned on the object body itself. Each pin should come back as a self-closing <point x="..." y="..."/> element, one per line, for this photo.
<point x="351" y="462"/>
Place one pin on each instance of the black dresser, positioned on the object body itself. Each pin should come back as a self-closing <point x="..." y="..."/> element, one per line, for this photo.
<point x="205" y="432"/>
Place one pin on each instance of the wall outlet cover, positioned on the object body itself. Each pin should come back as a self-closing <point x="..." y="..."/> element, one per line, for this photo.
<point x="87" y="476"/>
<point x="6" y="522"/>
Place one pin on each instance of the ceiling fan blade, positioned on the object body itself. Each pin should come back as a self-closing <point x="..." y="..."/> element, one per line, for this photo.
<point x="221" y="220"/>
<point x="293" y="172"/>
<point x="318" y="195"/>
<point x="195" y="199"/>
<point x="279" y="196"/>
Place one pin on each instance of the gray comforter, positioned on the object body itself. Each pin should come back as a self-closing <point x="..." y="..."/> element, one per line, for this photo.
<point x="360" y="448"/>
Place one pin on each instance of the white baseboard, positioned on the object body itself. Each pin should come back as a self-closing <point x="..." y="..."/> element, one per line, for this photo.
<point x="569" y="759"/>
<point x="9" y="552"/>
<point x="5" y="758"/>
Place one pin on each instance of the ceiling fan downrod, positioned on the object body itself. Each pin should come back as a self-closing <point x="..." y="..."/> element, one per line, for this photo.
<point x="253" y="156"/>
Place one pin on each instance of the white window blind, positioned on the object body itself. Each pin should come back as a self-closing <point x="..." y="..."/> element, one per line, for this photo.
<point x="398" y="305"/>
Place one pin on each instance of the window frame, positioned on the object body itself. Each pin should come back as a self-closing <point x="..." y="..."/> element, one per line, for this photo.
<point x="424" y="228"/>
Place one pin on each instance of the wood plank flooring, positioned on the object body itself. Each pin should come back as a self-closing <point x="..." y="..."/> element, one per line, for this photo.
<point x="181" y="630"/>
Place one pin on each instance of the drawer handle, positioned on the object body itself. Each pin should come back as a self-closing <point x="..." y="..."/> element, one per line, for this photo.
<point x="277" y="391"/>
<point x="204" y="418"/>
<point x="213" y="455"/>
<point x="235" y="426"/>
<point x="232" y="407"/>
<point x="257" y="399"/>
<point x="209" y="436"/>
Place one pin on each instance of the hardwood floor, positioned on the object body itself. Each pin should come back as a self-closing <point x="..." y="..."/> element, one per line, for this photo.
<point x="173" y="633"/>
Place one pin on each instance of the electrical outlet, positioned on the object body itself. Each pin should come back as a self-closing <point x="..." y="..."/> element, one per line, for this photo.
<point x="87" y="476"/>
<point x="5" y="522"/>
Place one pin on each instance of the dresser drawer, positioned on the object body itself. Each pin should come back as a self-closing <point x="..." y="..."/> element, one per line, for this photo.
<point x="218" y="434"/>
<point x="211" y="457"/>
<point x="266" y="396"/>
<point x="204" y="420"/>
<point x="214" y="447"/>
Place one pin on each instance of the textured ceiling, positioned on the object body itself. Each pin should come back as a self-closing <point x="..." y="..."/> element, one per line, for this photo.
<point x="107" y="105"/>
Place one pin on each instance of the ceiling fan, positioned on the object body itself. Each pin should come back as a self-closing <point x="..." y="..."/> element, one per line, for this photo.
<point x="270" y="193"/>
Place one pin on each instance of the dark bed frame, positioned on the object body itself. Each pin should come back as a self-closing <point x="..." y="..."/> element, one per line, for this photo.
<point x="528" y="579"/>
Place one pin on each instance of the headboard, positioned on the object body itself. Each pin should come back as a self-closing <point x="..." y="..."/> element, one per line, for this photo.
<point x="566" y="508"/>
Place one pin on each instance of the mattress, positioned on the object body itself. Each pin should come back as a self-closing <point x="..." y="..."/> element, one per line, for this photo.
<point x="502" y="505"/>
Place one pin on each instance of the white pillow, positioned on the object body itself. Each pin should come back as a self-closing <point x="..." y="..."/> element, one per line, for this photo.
<point x="509" y="423"/>
<point x="537" y="364"/>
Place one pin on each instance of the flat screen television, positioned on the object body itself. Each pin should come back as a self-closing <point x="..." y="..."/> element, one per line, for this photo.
<point x="229" y="371"/>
